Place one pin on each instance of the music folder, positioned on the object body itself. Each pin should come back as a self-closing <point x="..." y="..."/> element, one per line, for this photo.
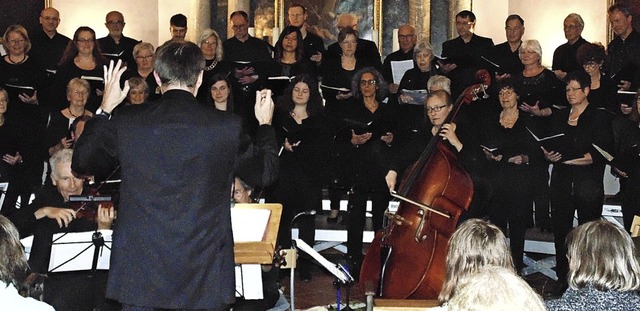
<point x="557" y="143"/>
<point x="626" y="161"/>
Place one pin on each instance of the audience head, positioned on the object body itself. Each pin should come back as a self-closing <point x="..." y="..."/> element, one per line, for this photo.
<point x="475" y="244"/>
<point x="530" y="52"/>
<point x="240" y="25"/>
<point x="61" y="175"/>
<point x="138" y="91"/>
<point x="211" y="45"/>
<point x="221" y="94"/>
<point x="242" y="191"/>
<point x="49" y="19"/>
<point x="495" y="288"/>
<point x="465" y="23"/>
<point x="143" y="54"/>
<point x="514" y="28"/>
<point x="16" y="40"/>
<point x="603" y="255"/>
<point x="290" y="40"/>
<point x="179" y="63"/>
<point x="347" y="20"/>
<point x="178" y="27"/>
<point x="620" y="19"/>
<point x="115" y="24"/>
<point x="423" y="55"/>
<point x="439" y="83"/>
<point x="13" y="265"/>
<point x="407" y="38"/>
<point x="303" y="90"/>
<point x="368" y="82"/>
<point x="297" y="15"/>
<point x="573" y="26"/>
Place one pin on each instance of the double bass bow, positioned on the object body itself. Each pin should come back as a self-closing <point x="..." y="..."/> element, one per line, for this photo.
<point x="406" y="260"/>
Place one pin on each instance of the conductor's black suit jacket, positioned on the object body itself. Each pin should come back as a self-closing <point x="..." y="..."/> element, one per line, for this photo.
<point x="172" y="242"/>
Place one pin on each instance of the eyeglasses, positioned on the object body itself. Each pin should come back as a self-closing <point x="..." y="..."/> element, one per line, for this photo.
<point x="49" y="18"/>
<point x="572" y="89"/>
<point x="84" y="40"/>
<point x="435" y="109"/>
<point x="505" y="93"/>
<point x="367" y="82"/>
<point x="590" y="64"/>
<point x="514" y="29"/>
<point x="464" y="23"/>
<point x="570" y="27"/>
<point x="237" y="27"/>
<point x="113" y="23"/>
<point x="16" y="42"/>
<point x="209" y="42"/>
<point x="144" y="57"/>
<point x="76" y="92"/>
<point x="405" y="37"/>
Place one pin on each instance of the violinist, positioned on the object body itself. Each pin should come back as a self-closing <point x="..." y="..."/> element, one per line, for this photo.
<point x="438" y="106"/>
<point x="50" y="213"/>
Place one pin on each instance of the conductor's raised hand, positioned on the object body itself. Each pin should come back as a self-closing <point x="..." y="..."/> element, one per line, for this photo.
<point x="264" y="107"/>
<point x="113" y="95"/>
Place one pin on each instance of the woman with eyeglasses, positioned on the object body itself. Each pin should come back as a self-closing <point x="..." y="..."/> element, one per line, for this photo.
<point x="211" y="47"/>
<point x="603" y="90"/>
<point x="143" y="55"/>
<point x="510" y="151"/>
<point x="81" y="59"/>
<point x="368" y="137"/>
<point x="58" y="136"/>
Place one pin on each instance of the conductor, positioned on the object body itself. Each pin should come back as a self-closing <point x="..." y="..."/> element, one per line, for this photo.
<point x="172" y="245"/>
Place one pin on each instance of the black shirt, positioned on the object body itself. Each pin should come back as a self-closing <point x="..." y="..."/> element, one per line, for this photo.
<point x="564" y="57"/>
<point x="366" y="50"/>
<point x="122" y="50"/>
<point x="396" y="56"/>
<point x="623" y="57"/>
<point x="508" y="60"/>
<point x="48" y="51"/>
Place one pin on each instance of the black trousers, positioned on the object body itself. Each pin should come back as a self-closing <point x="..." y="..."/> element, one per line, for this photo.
<point x="357" y="217"/>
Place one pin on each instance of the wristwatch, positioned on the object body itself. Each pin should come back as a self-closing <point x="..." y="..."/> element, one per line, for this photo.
<point x="101" y="112"/>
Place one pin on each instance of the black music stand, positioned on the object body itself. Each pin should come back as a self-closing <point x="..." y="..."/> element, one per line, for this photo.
<point x="80" y="251"/>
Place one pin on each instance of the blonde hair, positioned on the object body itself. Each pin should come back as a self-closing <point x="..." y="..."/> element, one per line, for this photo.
<point x="533" y="46"/>
<point x="441" y="81"/>
<point x="602" y="254"/>
<point x="497" y="289"/>
<point x="12" y="261"/>
<point x="212" y="33"/>
<point x="475" y="244"/>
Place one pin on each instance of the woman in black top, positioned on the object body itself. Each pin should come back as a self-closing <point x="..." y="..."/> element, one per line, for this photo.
<point x="11" y="144"/>
<point x="510" y="150"/>
<point x="211" y="47"/>
<point x="289" y="60"/>
<point x="302" y="132"/>
<point x="603" y="90"/>
<point x="578" y="168"/>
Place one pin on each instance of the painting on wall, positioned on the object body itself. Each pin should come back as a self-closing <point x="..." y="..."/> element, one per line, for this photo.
<point x="322" y="16"/>
<point x="263" y="16"/>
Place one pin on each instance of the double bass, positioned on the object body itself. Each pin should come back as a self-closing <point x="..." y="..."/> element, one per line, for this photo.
<point x="406" y="260"/>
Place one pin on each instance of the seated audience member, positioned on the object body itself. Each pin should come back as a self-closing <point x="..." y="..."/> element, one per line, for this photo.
<point x="51" y="213"/>
<point x="475" y="244"/>
<point x="603" y="271"/>
<point x="496" y="289"/>
<point x="12" y="271"/>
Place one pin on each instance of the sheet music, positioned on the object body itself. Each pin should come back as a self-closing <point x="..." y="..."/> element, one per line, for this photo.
<point x="3" y="189"/>
<point x="341" y="89"/>
<point x="249" y="224"/>
<point x="66" y="246"/>
<point x="336" y="270"/>
<point x="24" y="87"/>
<point x="92" y="78"/>
<point x="398" y="68"/>
<point x="281" y="78"/>
<point x="113" y="54"/>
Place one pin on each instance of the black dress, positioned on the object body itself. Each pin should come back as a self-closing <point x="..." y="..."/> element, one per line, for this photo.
<point x="12" y="142"/>
<point x="211" y="68"/>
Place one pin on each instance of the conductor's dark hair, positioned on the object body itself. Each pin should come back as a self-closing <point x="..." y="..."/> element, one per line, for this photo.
<point x="179" y="62"/>
<point x="178" y="20"/>
<point x="465" y="14"/>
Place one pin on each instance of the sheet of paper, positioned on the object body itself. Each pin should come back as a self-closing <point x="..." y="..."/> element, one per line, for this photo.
<point x="249" y="224"/>
<point x="398" y="68"/>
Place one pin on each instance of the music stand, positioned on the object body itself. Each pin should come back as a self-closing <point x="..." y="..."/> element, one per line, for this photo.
<point x="80" y="251"/>
<point x="343" y="277"/>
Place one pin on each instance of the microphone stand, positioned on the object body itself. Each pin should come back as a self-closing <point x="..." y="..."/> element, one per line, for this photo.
<point x="293" y="255"/>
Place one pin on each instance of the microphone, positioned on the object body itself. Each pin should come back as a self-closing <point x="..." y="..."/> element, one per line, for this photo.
<point x="305" y="213"/>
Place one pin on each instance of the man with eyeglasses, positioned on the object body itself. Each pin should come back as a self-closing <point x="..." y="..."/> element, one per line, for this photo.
<point x="115" y="45"/>
<point x="564" y="57"/>
<point x="406" y="40"/>
<point x="48" y="45"/>
<point x="465" y="54"/>
<point x="506" y="54"/>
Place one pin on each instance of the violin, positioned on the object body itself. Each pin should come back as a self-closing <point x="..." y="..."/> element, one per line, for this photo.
<point x="86" y="205"/>
<point x="406" y="260"/>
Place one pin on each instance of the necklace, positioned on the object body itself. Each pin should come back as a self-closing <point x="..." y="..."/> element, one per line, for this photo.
<point x="24" y="57"/>
<point x="572" y="120"/>
<point x="508" y="122"/>
<point x="73" y="115"/>
<point x="213" y="65"/>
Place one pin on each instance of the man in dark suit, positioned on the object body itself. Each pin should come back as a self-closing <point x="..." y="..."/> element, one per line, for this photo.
<point x="564" y="57"/>
<point x="116" y="45"/>
<point x="506" y="54"/>
<point x="366" y="49"/>
<point x="464" y="54"/>
<point x="173" y="245"/>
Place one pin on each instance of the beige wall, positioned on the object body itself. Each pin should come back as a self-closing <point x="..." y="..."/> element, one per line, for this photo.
<point x="543" y="20"/>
